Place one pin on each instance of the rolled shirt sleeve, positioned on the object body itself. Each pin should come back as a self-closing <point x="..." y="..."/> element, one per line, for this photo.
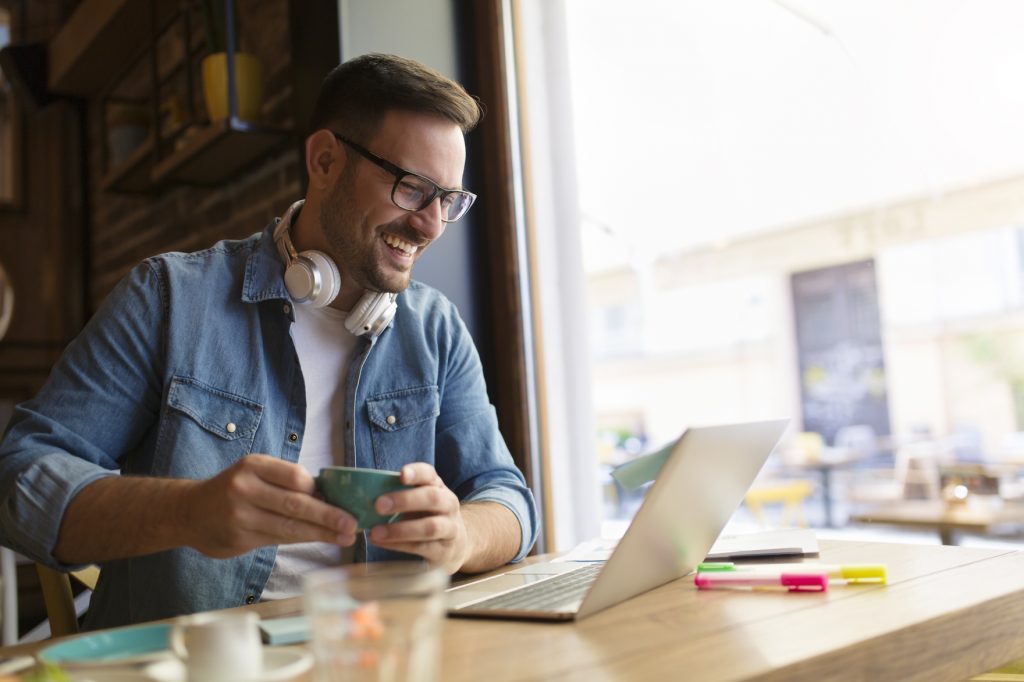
<point x="99" y="403"/>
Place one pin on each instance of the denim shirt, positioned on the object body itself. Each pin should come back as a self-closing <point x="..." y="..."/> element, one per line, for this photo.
<point x="188" y="366"/>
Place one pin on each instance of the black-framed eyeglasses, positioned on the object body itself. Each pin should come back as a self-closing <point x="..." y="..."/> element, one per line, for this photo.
<point x="413" y="192"/>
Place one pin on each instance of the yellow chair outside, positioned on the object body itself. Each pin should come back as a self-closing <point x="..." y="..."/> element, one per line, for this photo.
<point x="789" y="494"/>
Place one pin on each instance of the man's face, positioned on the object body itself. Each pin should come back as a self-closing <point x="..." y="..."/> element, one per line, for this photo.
<point x="373" y="241"/>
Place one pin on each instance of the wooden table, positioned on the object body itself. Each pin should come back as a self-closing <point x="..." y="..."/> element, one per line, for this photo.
<point x="947" y="613"/>
<point x="982" y="518"/>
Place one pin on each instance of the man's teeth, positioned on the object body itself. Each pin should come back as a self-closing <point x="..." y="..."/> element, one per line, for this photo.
<point x="402" y="245"/>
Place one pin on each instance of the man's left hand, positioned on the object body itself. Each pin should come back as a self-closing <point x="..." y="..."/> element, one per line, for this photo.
<point x="432" y="526"/>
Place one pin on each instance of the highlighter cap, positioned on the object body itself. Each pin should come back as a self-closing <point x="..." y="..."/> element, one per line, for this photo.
<point x="865" y="573"/>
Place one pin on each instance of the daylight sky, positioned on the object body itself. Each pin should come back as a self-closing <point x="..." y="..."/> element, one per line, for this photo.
<point x="700" y="120"/>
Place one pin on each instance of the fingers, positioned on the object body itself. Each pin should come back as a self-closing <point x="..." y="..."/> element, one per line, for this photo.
<point x="262" y="501"/>
<point x="279" y="472"/>
<point x="441" y="540"/>
<point x="426" y="528"/>
<point x="420" y="473"/>
<point x="254" y="527"/>
<point x="278" y="529"/>
<point x="285" y="489"/>
<point x="291" y="505"/>
<point x="429" y="498"/>
<point x="429" y="537"/>
<point x="431" y="525"/>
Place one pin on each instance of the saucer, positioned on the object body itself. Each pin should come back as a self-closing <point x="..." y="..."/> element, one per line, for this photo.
<point x="167" y="670"/>
<point x="123" y="646"/>
<point x="284" y="664"/>
<point x="279" y="665"/>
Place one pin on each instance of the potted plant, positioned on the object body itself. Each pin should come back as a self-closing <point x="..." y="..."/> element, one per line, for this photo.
<point x="248" y="68"/>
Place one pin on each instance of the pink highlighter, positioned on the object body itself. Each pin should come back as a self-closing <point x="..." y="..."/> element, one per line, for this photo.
<point x="793" y="582"/>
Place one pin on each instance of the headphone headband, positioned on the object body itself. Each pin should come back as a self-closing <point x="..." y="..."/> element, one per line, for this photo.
<point x="282" y="233"/>
<point x="312" y="278"/>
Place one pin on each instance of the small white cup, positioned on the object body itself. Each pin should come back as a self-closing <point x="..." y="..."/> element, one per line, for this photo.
<point x="219" y="647"/>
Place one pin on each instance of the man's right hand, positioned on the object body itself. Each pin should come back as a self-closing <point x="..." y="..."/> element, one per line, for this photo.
<point x="262" y="500"/>
<point x="258" y="501"/>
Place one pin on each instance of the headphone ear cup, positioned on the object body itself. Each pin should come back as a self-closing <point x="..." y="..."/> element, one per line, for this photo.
<point x="300" y="279"/>
<point x="313" y="279"/>
<point x="372" y="314"/>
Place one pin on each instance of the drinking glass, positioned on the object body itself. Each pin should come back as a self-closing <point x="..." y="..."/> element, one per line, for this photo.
<point x="378" y="622"/>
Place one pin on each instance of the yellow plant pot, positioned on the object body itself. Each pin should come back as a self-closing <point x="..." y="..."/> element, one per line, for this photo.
<point x="248" y="84"/>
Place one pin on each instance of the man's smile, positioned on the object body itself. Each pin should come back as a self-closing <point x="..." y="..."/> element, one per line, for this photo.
<point x="398" y="244"/>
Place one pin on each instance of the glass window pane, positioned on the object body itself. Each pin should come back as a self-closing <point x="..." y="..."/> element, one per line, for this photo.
<point x="816" y="214"/>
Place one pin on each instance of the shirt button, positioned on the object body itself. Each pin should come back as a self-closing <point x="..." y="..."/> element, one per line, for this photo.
<point x="287" y="308"/>
<point x="293" y="437"/>
<point x="251" y="599"/>
<point x="348" y="424"/>
<point x="231" y="427"/>
<point x="391" y="419"/>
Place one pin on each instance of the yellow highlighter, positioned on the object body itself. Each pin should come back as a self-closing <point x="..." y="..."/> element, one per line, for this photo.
<point x="850" y="574"/>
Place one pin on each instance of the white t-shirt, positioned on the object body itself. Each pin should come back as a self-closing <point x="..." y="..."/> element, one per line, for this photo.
<point x="325" y="349"/>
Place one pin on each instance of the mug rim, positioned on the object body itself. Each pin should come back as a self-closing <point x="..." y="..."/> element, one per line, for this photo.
<point x="201" y="618"/>
<point x="362" y="470"/>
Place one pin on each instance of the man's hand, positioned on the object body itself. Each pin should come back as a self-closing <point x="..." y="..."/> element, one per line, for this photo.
<point x="259" y="501"/>
<point x="437" y="527"/>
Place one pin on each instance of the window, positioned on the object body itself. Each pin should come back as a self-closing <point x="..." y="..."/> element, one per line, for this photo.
<point x="689" y="158"/>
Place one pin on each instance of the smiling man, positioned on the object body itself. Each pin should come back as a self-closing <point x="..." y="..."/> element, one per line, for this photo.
<point x="176" y="441"/>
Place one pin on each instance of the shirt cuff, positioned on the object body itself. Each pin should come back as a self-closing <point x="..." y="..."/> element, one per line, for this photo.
<point x="41" y="497"/>
<point x="514" y="502"/>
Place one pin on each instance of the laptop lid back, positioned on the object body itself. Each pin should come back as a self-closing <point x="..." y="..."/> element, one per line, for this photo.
<point x="696" y="492"/>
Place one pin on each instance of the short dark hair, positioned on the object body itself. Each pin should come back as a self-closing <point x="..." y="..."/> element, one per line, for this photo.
<point x="356" y="95"/>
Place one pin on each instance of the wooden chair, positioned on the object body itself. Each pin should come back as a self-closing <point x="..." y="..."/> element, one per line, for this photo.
<point x="60" y="599"/>
<point x="790" y="494"/>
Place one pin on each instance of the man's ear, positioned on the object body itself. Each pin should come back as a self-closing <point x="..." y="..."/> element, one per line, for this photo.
<point x="325" y="158"/>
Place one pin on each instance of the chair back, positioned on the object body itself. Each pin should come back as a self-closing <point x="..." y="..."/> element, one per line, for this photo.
<point x="60" y="599"/>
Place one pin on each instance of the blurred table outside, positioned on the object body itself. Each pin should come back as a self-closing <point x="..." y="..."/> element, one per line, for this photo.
<point x="824" y="468"/>
<point x="976" y="515"/>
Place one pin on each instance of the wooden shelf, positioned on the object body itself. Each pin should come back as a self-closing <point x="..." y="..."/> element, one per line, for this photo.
<point x="96" y="52"/>
<point x="96" y="40"/>
<point x="134" y="174"/>
<point x="214" y="154"/>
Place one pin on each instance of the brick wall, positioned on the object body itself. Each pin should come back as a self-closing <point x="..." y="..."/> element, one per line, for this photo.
<point x="128" y="228"/>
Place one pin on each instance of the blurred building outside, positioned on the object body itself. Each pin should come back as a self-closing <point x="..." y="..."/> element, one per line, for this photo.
<point x="709" y="336"/>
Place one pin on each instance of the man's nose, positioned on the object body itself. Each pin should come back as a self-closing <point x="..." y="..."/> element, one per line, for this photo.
<point x="427" y="221"/>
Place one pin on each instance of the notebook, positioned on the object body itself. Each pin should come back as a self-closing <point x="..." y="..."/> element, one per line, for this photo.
<point x="697" y="489"/>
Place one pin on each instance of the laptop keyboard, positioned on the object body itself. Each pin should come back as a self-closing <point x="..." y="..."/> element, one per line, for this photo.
<point x="546" y="595"/>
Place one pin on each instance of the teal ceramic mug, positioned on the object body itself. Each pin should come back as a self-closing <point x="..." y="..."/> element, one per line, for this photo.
<point x="355" y="490"/>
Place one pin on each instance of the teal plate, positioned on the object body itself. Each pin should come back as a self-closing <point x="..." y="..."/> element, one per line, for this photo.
<point x="126" y="645"/>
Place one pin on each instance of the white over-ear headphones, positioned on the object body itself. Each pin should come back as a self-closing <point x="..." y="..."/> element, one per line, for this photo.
<point x="312" y="278"/>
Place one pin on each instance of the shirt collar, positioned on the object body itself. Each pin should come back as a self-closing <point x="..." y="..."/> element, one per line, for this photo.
<point x="264" y="270"/>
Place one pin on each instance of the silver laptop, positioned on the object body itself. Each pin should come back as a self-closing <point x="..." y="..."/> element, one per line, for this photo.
<point x="698" y="488"/>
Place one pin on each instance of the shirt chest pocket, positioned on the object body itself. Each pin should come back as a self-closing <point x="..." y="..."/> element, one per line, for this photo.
<point x="402" y="426"/>
<point x="206" y="429"/>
